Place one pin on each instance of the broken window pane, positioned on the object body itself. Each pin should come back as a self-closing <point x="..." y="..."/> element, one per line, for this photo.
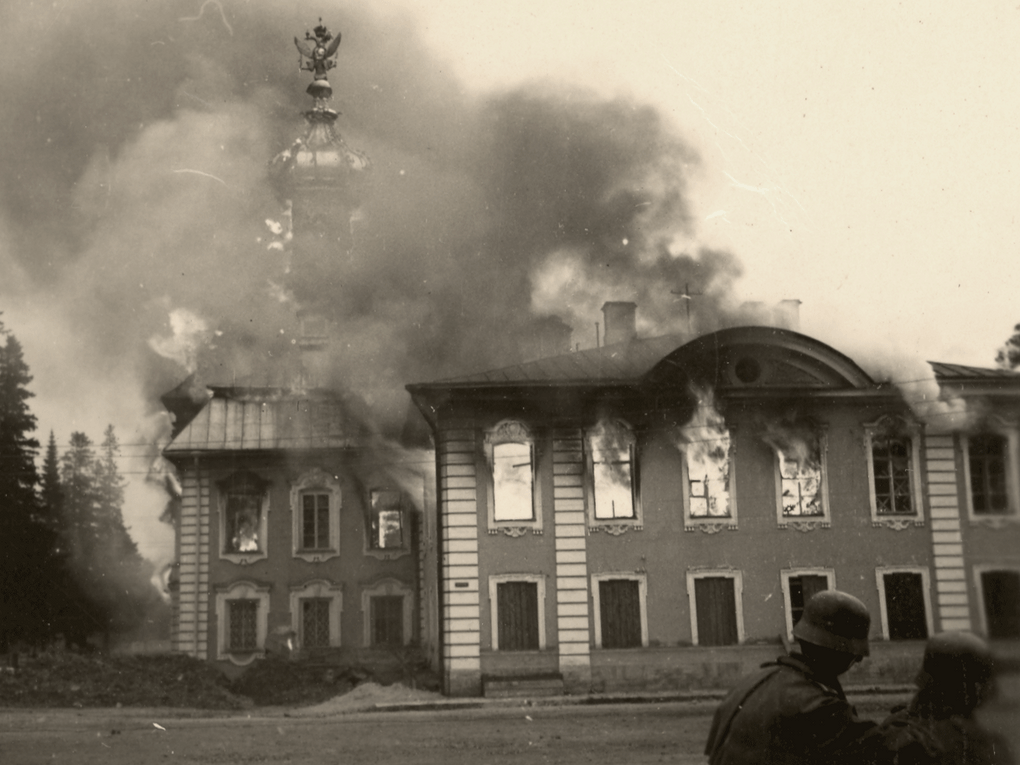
<point x="387" y="527"/>
<point x="512" y="482"/>
<point x="244" y="512"/>
<point x="612" y="471"/>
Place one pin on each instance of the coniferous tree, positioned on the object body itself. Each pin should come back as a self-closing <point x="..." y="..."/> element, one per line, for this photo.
<point x="23" y="535"/>
<point x="1008" y="356"/>
<point x="115" y="581"/>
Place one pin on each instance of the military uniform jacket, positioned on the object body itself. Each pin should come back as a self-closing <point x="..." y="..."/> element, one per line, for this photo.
<point x="784" y="714"/>
<point x="911" y="739"/>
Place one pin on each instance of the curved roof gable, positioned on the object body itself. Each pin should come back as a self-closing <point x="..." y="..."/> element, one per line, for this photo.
<point x="759" y="358"/>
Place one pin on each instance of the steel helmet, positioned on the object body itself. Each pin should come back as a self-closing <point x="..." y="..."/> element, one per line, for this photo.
<point x="835" y="620"/>
<point x="957" y="669"/>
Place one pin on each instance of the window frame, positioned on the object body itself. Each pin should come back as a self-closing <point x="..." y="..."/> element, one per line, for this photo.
<point x="596" y="596"/>
<point x="241" y="590"/>
<point x="223" y="498"/>
<point x="897" y="426"/>
<point x="1012" y="459"/>
<point x="388" y="587"/>
<point x="388" y="553"/>
<point x="317" y="588"/>
<point x="512" y="431"/>
<point x="738" y="592"/>
<point x="316" y="481"/>
<point x="613" y="525"/>
<point x="710" y="523"/>
<point x="929" y="616"/>
<point x="784" y="578"/>
<point x="805" y="522"/>
<point x="979" y="585"/>
<point x="494" y="581"/>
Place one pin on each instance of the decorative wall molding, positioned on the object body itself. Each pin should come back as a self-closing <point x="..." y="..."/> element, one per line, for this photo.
<point x="805" y="525"/>
<point x="711" y="528"/>
<point x="615" y="529"/>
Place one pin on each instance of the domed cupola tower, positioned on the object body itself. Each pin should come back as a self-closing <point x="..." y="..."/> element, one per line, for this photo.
<point x="322" y="180"/>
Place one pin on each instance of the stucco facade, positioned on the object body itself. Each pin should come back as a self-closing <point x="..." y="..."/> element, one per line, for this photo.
<point x="757" y="465"/>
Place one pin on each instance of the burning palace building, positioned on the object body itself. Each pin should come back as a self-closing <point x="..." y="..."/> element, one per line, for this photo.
<point x="654" y="513"/>
<point x="298" y="524"/>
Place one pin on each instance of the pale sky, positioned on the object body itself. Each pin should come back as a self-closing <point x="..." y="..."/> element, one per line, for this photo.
<point x="859" y="157"/>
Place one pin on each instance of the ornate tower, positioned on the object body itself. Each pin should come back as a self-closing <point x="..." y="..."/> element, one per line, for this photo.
<point x="321" y="178"/>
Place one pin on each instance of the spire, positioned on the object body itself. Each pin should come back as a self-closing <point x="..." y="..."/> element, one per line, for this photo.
<point x="320" y="159"/>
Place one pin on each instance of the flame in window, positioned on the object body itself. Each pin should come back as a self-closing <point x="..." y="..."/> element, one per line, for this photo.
<point x="705" y="442"/>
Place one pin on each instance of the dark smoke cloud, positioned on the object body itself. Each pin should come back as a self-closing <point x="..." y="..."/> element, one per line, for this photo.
<point x="133" y="184"/>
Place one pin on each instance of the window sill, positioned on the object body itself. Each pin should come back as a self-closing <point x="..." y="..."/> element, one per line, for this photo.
<point x="615" y="528"/>
<point x="243" y="658"/>
<point x="710" y="525"/>
<point x="243" y="559"/>
<point x="515" y="529"/>
<point x="804" y="523"/>
<point x="389" y="554"/>
<point x="896" y="522"/>
<point x="316" y="556"/>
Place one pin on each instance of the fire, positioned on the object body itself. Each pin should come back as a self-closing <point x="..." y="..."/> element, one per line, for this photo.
<point x="705" y="442"/>
<point x="799" y="449"/>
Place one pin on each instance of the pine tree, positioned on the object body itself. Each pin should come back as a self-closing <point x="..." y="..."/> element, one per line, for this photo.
<point x="21" y="589"/>
<point x="113" y="577"/>
<point x="1008" y="356"/>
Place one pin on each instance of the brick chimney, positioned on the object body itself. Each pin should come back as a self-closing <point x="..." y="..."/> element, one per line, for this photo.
<point x="620" y="321"/>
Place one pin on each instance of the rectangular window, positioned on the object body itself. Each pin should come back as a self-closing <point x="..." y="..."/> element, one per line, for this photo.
<point x="613" y="479"/>
<point x="906" y="614"/>
<point x="243" y="617"/>
<point x="315" y="521"/>
<point x="387" y="620"/>
<point x="315" y="622"/>
<point x="387" y="527"/>
<point x="620" y="613"/>
<point x="243" y="522"/>
<point x="801" y="488"/>
<point x="1000" y="592"/>
<point x="512" y="477"/>
<point x="801" y="589"/>
<point x="891" y="463"/>
<point x="716" y="610"/>
<point x="517" y="611"/>
<point x="986" y="455"/>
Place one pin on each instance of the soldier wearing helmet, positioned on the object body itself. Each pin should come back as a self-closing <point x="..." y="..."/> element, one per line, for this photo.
<point x="938" y="727"/>
<point x="794" y="710"/>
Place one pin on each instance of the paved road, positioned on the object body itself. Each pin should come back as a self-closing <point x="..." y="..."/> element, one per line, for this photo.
<point x="628" y="734"/>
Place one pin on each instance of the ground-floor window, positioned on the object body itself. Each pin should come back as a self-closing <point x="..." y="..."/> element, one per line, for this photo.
<point x="1000" y="596"/>
<point x="315" y="608"/>
<point x="905" y="603"/>
<point x="387" y="619"/>
<point x="242" y="613"/>
<point x="716" y="615"/>
<point x="619" y="602"/>
<point x="315" y="622"/>
<point x="243" y="620"/>
<point x="387" y="609"/>
<point x="798" y="587"/>
<point x="517" y="612"/>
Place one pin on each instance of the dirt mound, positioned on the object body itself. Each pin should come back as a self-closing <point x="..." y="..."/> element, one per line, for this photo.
<point x="367" y="696"/>
<point x="66" y="679"/>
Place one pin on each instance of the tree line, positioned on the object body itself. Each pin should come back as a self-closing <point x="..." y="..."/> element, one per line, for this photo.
<point x="68" y="566"/>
